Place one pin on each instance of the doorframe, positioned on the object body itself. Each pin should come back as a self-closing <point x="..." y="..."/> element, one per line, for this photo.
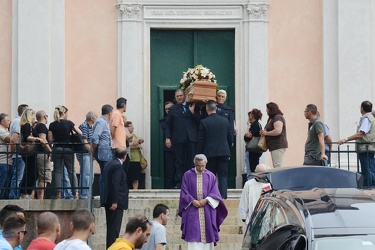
<point x="248" y="19"/>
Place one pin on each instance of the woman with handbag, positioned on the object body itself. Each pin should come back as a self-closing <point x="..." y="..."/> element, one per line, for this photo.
<point x="60" y="135"/>
<point x="252" y="137"/>
<point x="275" y="134"/>
<point x="27" y="149"/>
<point x="134" y="172"/>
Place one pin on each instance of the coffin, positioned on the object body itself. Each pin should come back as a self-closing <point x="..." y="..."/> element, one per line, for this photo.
<point x="201" y="90"/>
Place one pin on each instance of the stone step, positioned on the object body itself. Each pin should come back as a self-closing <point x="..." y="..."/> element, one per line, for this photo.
<point x="142" y="202"/>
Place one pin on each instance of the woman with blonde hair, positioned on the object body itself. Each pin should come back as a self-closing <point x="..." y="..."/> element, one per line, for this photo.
<point x="63" y="153"/>
<point x="30" y="174"/>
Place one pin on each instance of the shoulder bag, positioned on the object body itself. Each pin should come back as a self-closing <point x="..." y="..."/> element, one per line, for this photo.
<point x="142" y="161"/>
<point x="26" y="148"/>
<point x="253" y="144"/>
<point x="77" y="141"/>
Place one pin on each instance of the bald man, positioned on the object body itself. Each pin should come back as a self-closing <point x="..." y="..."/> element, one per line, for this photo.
<point x="250" y="195"/>
<point x="48" y="227"/>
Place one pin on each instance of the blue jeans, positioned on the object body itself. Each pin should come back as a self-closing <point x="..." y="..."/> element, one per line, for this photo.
<point x="17" y="175"/>
<point x="5" y="172"/>
<point x="66" y="193"/>
<point x="84" y="181"/>
<point x="247" y="162"/>
<point x="367" y="168"/>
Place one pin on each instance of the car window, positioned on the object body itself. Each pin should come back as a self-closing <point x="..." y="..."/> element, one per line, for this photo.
<point x="269" y="215"/>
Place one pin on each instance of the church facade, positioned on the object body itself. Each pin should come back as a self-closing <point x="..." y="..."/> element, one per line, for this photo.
<point x="83" y="54"/>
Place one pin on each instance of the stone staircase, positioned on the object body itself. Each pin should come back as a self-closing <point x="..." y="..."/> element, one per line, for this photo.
<point x="142" y="202"/>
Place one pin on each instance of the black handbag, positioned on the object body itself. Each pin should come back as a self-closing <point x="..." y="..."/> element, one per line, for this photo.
<point x="77" y="141"/>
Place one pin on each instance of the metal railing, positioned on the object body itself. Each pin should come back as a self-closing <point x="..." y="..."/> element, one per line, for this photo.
<point x="9" y="185"/>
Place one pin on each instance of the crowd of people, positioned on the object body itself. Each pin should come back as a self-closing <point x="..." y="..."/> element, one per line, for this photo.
<point x="34" y="155"/>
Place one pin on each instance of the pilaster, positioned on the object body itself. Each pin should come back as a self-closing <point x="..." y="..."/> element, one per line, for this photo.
<point x="38" y="54"/>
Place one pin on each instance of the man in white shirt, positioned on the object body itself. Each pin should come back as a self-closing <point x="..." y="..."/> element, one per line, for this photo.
<point x="13" y="232"/>
<point x="365" y="138"/>
<point x="158" y="239"/>
<point x="250" y="194"/>
<point x="82" y="226"/>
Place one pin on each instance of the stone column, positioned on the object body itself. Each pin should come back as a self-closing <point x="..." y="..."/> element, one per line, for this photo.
<point x="349" y="53"/>
<point x="130" y="70"/>
<point x="254" y="90"/>
<point x="38" y="54"/>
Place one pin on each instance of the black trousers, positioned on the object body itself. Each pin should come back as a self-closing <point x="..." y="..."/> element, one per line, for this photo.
<point x="184" y="153"/>
<point x="219" y="165"/>
<point x="254" y="160"/>
<point x="114" y="220"/>
<point x="30" y="175"/>
<point x="169" y="169"/>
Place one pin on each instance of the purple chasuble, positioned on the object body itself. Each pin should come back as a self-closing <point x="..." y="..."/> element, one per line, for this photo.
<point x="190" y="223"/>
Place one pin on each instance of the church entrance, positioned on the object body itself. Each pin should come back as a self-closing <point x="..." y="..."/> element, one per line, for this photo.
<point x="171" y="53"/>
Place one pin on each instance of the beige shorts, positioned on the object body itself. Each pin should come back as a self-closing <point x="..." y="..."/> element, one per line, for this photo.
<point x="44" y="168"/>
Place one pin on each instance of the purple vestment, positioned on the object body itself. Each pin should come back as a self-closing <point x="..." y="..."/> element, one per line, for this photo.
<point x="190" y="225"/>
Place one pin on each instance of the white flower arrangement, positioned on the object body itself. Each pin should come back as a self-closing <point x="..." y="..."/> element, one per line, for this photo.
<point x="194" y="74"/>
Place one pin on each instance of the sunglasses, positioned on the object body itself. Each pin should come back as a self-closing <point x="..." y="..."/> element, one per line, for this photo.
<point x="24" y="232"/>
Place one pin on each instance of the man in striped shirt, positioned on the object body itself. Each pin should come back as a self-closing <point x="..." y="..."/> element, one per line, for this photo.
<point x="84" y="158"/>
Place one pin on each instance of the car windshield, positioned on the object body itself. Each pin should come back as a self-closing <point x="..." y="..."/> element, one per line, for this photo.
<point x="357" y="242"/>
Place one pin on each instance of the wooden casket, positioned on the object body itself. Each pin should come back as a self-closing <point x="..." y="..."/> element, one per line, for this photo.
<point x="201" y="90"/>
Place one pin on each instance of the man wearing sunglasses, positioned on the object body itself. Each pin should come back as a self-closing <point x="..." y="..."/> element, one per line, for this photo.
<point x="136" y="234"/>
<point x="13" y="232"/>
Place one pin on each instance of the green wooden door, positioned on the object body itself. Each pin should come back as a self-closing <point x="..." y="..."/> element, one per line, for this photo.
<point x="173" y="52"/>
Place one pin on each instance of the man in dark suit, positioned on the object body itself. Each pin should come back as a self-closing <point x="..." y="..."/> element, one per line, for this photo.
<point x="214" y="140"/>
<point x="182" y="131"/>
<point x="169" y="161"/>
<point x="116" y="194"/>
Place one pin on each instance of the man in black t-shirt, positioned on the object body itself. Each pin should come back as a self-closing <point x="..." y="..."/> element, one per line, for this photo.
<point x="43" y="153"/>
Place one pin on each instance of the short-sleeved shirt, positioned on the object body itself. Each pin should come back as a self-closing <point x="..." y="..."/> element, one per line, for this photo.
<point x="15" y="128"/>
<point x="117" y="122"/>
<point x="4" y="147"/>
<point x="41" y="244"/>
<point x="40" y="128"/>
<point x="312" y="146"/>
<point x="157" y="236"/>
<point x="327" y="132"/>
<point x="122" y="244"/>
<point x="365" y="124"/>
<point x="75" y="244"/>
<point x="280" y="141"/>
<point x="26" y="131"/>
<point x="61" y="132"/>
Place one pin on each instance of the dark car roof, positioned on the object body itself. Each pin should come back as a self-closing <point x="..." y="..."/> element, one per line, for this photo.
<point x="308" y="177"/>
<point x="344" y="208"/>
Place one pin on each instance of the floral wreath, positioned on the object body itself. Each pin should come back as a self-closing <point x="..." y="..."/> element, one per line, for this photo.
<point x="194" y="74"/>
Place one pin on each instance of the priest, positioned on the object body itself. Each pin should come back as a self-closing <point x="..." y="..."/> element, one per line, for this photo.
<point x="201" y="207"/>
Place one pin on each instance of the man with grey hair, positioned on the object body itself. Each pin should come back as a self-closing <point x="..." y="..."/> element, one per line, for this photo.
<point x="201" y="206"/>
<point x="250" y="195"/>
<point x="224" y="110"/>
<point x="214" y="140"/>
<point x="5" y="161"/>
<point x="84" y="159"/>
